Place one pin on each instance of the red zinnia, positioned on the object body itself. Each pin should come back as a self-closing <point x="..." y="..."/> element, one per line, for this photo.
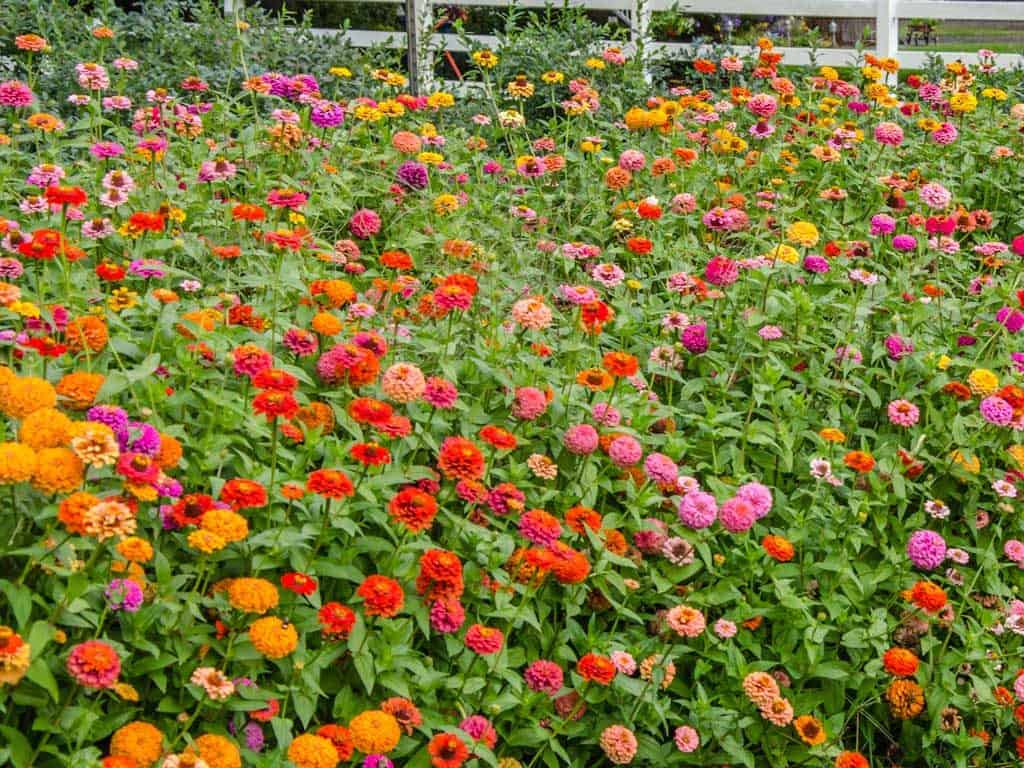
<point x="147" y="221"/>
<point x="248" y="212"/>
<point x="274" y="404"/>
<point x="382" y="596"/>
<point x="368" y="410"/>
<point x="61" y="195"/>
<point x="112" y="273"/>
<point x="413" y="508"/>
<point x="275" y="379"/>
<point x="500" y="438"/>
<point x="596" y="668"/>
<point x="189" y="509"/>
<point x="370" y="454"/>
<point x="460" y="459"/>
<point x="336" y="620"/>
<point x="330" y="483"/>
<point x="299" y="583"/>
<point x="239" y="493"/>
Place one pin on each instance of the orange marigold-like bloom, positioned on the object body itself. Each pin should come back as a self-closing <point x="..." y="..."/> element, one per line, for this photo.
<point x="447" y="751"/>
<point x="24" y="394"/>
<point x="413" y="508"/>
<point x="218" y="751"/>
<point x="900" y="662"/>
<point x="440" y="575"/>
<point x="340" y="737"/>
<point x="859" y="461"/>
<point x="44" y="428"/>
<point x="240" y="493"/>
<point x="18" y="463"/>
<point x="140" y="741"/>
<point x="313" y="751"/>
<point x="333" y="293"/>
<point x="275" y="638"/>
<point x="375" y="732"/>
<point x="71" y="512"/>
<point x="382" y="596"/>
<point x="851" y="760"/>
<point x="87" y="332"/>
<point x="135" y="550"/>
<point x="579" y="518"/>
<point x="778" y="548"/>
<point x="620" y="364"/>
<point x="252" y="595"/>
<point x="405" y="712"/>
<point x="326" y="324"/>
<point x="170" y="451"/>
<point x="225" y="523"/>
<point x="58" y="470"/>
<point x="78" y="389"/>
<point x="906" y="699"/>
<point x="927" y="596"/>
<point x="810" y="730"/>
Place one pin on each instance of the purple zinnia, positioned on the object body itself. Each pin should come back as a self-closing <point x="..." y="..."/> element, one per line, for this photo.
<point x="114" y="417"/>
<point x="413" y="175"/>
<point x="141" y="438"/>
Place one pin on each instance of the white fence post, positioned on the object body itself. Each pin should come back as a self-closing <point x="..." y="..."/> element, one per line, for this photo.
<point x="419" y="24"/>
<point x="230" y="5"/>
<point x="887" y="26"/>
<point x="640" y="31"/>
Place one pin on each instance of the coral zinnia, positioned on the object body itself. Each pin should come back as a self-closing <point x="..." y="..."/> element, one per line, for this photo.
<point x="447" y="751"/>
<point x="460" y="459"/>
<point x="330" y="483"/>
<point x="383" y="596"/>
<point x="413" y="509"/>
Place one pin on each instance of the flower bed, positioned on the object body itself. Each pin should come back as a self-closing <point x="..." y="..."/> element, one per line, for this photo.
<point x="530" y="428"/>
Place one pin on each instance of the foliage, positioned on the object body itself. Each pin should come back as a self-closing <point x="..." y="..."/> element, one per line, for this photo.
<point x="567" y="421"/>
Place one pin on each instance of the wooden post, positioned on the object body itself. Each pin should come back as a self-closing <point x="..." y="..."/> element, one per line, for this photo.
<point x="418" y="22"/>
<point x="887" y="24"/>
<point x="640" y="32"/>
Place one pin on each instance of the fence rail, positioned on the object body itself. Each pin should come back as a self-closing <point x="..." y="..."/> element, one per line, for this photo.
<point x="885" y="13"/>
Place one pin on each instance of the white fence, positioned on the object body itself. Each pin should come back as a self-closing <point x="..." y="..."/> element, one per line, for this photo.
<point x="886" y="14"/>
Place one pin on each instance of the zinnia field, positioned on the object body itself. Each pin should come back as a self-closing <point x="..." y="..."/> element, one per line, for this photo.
<point x="520" y="427"/>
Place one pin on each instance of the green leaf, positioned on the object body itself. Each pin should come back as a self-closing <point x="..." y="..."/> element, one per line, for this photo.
<point x="18" y="746"/>
<point x="40" y="674"/>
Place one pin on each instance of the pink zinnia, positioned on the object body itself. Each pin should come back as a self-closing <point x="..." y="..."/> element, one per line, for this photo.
<point x="661" y="469"/>
<point x="447" y="616"/>
<point x="94" y="664"/>
<point x="364" y="223"/>
<point x="14" y="93"/>
<point x="903" y="413"/>
<point x="686" y="738"/>
<point x="539" y="527"/>
<point x="758" y="496"/>
<point x="926" y="549"/>
<point x="698" y="510"/>
<point x="737" y="515"/>
<point x="529" y="403"/>
<point x="440" y="393"/>
<point x="722" y="270"/>
<point x="581" y="439"/>
<point x="484" y="640"/>
<point x="544" y="676"/>
<point x="625" y="451"/>
<point x="889" y="133"/>
<point x="632" y="160"/>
